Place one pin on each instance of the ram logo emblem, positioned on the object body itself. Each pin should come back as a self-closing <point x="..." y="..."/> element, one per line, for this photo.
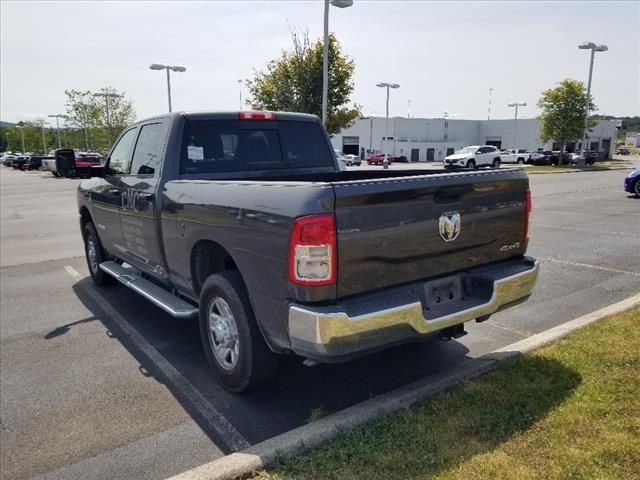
<point x="450" y="225"/>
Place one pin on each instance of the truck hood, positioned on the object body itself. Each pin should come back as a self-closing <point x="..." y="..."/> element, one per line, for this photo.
<point x="459" y="156"/>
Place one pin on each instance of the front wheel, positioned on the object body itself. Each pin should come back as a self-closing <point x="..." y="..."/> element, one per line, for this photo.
<point x="233" y="344"/>
<point x="349" y="164"/>
<point x="521" y="161"/>
<point x="95" y="256"/>
<point x="496" y="163"/>
<point x="636" y="188"/>
<point x="471" y="164"/>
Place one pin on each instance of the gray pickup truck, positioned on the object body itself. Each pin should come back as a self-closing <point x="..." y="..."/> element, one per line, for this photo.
<point x="244" y="221"/>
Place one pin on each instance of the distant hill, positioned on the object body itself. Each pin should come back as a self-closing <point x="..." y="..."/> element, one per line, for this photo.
<point x="6" y="124"/>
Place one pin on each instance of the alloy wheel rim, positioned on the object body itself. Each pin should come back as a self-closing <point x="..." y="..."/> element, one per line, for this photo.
<point x="223" y="333"/>
<point x="92" y="254"/>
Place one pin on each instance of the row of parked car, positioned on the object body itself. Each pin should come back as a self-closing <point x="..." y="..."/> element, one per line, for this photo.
<point x="63" y="162"/>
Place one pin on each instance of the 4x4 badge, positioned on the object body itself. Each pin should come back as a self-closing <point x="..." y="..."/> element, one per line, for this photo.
<point x="449" y="226"/>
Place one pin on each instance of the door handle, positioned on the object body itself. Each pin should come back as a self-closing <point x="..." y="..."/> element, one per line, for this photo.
<point x="115" y="191"/>
<point x="146" y="196"/>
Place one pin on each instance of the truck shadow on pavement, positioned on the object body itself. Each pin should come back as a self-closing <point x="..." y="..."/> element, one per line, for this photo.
<point x="298" y="395"/>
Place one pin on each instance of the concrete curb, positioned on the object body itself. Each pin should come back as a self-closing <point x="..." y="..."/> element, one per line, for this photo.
<point x="314" y="434"/>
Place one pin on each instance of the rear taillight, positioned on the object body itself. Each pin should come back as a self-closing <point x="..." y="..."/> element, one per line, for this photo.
<point x="256" y="116"/>
<point x="312" y="250"/>
<point x="527" y="217"/>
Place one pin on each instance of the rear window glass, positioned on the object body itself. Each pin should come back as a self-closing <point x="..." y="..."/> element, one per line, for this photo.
<point x="211" y="146"/>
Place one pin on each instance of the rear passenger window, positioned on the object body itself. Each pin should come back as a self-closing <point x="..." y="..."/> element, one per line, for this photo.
<point x="147" y="154"/>
<point x="211" y="146"/>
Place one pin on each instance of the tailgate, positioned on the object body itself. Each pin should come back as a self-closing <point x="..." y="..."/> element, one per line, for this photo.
<point x="389" y="229"/>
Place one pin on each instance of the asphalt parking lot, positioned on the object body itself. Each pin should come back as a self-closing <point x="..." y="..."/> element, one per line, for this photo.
<point x="99" y="384"/>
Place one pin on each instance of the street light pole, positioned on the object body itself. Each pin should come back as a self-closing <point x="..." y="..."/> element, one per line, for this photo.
<point x="44" y="139"/>
<point x="175" y="68"/>
<point x="240" y="91"/>
<point x="594" y="48"/>
<point x="489" y="109"/>
<point x="515" y="120"/>
<point x="20" y="125"/>
<point x="387" y="86"/>
<point x="325" y="52"/>
<point x="57" y="117"/>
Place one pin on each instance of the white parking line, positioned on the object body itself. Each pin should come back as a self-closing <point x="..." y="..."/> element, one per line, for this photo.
<point x="215" y="420"/>
<point x="586" y="265"/>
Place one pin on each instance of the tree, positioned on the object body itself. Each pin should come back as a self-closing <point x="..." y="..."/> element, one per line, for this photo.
<point x="100" y="119"/>
<point x="563" y="113"/>
<point x="293" y="83"/>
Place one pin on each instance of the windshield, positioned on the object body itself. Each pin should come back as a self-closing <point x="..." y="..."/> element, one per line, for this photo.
<point x="466" y="150"/>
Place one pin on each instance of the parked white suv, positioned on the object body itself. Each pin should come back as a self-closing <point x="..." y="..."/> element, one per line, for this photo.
<point x="473" y="157"/>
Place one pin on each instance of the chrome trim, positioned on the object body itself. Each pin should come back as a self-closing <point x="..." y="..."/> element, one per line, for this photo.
<point x="325" y="332"/>
<point x="174" y="306"/>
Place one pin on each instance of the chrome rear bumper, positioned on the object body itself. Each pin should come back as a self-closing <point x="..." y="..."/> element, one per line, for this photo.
<point x="331" y="334"/>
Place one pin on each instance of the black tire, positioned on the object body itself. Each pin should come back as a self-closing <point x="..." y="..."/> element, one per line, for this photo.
<point x="471" y="164"/>
<point x="496" y="163"/>
<point x="520" y="161"/>
<point x="349" y="164"/>
<point x="255" y="363"/>
<point x="636" y="188"/>
<point x="96" y="257"/>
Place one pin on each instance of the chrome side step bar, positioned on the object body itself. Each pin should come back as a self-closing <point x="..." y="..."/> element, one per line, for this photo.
<point x="174" y="306"/>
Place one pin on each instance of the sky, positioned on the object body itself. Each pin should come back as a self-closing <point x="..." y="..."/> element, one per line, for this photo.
<point x="444" y="55"/>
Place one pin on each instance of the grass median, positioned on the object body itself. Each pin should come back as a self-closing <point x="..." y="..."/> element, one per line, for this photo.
<point x="597" y="167"/>
<point x="570" y="410"/>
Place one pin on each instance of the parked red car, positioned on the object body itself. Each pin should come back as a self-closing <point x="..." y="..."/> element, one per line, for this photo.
<point x="88" y="164"/>
<point x="379" y="158"/>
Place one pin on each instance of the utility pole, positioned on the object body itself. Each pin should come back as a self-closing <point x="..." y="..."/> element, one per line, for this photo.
<point x="489" y="110"/>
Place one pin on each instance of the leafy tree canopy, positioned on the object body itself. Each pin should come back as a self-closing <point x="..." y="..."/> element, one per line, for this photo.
<point x="563" y="112"/>
<point x="293" y="83"/>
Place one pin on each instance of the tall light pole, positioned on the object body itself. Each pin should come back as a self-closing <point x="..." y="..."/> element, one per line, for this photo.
<point x="387" y="86"/>
<point x="20" y="125"/>
<point x="58" y="116"/>
<point x="594" y="48"/>
<point x="325" y="52"/>
<point x="489" y="109"/>
<point x="44" y="138"/>
<point x="515" y="120"/>
<point x="175" y="68"/>
<point x="107" y="96"/>
<point x="240" y="90"/>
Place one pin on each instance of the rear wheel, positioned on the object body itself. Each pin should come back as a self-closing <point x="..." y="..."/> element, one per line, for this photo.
<point x="349" y="164"/>
<point x="636" y="188"/>
<point x="471" y="164"/>
<point x="496" y="163"/>
<point x="95" y="256"/>
<point x="233" y="344"/>
<point x="520" y="161"/>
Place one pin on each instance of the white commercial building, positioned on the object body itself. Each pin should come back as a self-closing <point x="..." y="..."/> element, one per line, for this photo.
<point x="431" y="139"/>
<point x="632" y="139"/>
